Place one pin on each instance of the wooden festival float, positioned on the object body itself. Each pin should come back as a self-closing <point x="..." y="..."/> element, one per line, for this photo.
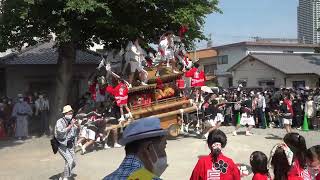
<point x="161" y="98"/>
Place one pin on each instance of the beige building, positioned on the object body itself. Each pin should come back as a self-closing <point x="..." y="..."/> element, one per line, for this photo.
<point x="207" y="62"/>
<point x="35" y="70"/>
<point x="230" y="54"/>
<point x="277" y="70"/>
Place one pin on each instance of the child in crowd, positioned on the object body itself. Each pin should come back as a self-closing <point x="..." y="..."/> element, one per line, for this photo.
<point x="120" y="93"/>
<point x="259" y="164"/>
<point x="298" y="146"/>
<point x="313" y="159"/>
<point x="216" y="165"/>
<point x="281" y="158"/>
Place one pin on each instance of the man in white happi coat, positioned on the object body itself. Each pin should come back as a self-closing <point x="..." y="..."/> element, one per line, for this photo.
<point x="166" y="50"/>
<point x="21" y="111"/>
<point x="135" y="55"/>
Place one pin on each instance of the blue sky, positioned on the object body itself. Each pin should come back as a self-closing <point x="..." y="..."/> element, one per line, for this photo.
<point x="243" y="19"/>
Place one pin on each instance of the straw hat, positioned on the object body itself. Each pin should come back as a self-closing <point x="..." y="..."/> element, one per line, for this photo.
<point x="66" y="109"/>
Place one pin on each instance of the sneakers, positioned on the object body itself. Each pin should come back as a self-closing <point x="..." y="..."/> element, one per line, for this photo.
<point x="157" y="74"/>
<point x="299" y="128"/>
<point x="175" y="72"/>
<point x="122" y="118"/>
<point x="248" y="133"/>
<point x="206" y="135"/>
<point x="106" y="146"/>
<point x="144" y="84"/>
<point x="116" y="145"/>
<point x="234" y="133"/>
<point x="83" y="150"/>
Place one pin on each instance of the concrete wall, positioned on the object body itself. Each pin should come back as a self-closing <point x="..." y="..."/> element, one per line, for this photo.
<point x="235" y="54"/>
<point x="311" y="81"/>
<point x="273" y="49"/>
<point x="254" y="71"/>
<point x="207" y="61"/>
<point x="19" y="79"/>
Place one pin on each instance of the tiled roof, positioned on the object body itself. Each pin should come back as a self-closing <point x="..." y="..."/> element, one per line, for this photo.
<point x="252" y="43"/>
<point x="203" y="53"/>
<point x="46" y="53"/>
<point x="288" y="63"/>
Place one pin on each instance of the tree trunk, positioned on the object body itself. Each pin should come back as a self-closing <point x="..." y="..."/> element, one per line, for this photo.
<point x="67" y="56"/>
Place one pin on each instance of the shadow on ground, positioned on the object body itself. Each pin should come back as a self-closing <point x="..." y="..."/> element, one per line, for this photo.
<point x="273" y="136"/>
<point x="57" y="176"/>
<point x="10" y="142"/>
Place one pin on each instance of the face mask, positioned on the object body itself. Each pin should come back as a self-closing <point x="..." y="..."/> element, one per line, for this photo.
<point x="160" y="165"/>
<point x="68" y="116"/>
<point x="20" y="99"/>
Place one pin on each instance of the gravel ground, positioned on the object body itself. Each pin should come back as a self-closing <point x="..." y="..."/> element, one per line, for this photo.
<point x="33" y="159"/>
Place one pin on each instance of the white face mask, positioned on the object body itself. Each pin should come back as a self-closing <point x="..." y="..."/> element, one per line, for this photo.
<point x="20" y="99"/>
<point x="68" y="116"/>
<point x="160" y="165"/>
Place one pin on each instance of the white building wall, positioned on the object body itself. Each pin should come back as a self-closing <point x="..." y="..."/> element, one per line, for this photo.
<point x="253" y="71"/>
<point x="235" y="54"/>
<point x="311" y="81"/>
<point x="273" y="49"/>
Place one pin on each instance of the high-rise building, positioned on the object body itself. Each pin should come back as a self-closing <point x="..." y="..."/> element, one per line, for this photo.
<point x="309" y="21"/>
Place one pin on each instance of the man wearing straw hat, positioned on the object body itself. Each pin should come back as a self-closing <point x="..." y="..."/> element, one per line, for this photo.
<point x="66" y="132"/>
<point x="145" y="143"/>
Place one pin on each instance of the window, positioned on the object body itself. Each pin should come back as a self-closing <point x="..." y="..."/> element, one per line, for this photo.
<point x="210" y="68"/>
<point x="222" y="59"/>
<point x="266" y="83"/>
<point x="298" y="84"/>
<point x="230" y="81"/>
<point x="243" y="82"/>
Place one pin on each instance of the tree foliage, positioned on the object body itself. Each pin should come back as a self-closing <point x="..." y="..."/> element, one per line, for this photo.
<point x="111" y="22"/>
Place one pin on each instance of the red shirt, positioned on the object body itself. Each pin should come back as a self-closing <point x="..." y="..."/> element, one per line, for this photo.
<point x="297" y="171"/>
<point x="289" y="105"/>
<point x="318" y="177"/>
<point x="197" y="78"/>
<point x="259" y="176"/>
<point x="224" y="169"/>
<point x="120" y="93"/>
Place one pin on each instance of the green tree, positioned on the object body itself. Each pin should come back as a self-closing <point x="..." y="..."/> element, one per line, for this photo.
<point x="77" y="24"/>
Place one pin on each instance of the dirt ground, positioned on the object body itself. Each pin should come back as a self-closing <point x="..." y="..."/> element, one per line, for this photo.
<point x="34" y="160"/>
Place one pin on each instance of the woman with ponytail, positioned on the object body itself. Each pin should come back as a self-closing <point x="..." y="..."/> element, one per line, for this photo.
<point x="297" y="144"/>
<point x="216" y="165"/>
